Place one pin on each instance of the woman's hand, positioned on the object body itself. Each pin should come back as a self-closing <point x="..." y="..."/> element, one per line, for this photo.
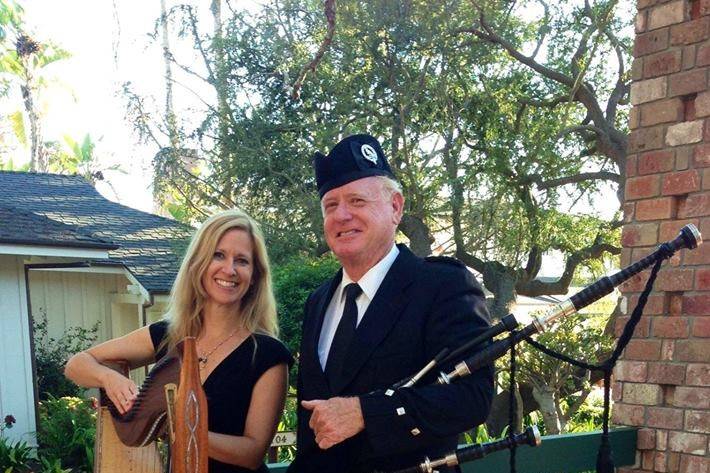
<point x="121" y="390"/>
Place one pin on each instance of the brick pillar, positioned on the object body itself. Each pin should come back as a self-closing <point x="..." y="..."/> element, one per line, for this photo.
<point x="662" y="383"/>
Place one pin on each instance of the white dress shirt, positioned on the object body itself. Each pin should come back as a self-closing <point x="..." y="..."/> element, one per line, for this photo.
<point x="369" y="283"/>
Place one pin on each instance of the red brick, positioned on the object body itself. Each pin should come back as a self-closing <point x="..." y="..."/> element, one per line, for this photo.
<point x="641" y="4"/>
<point x="643" y="350"/>
<point x="656" y="162"/>
<point x="646" y="439"/>
<point x="642" y="393"/>
<point x="674" y="280"/>
<point x="686" y="132"/>
<point x="637" y="69"/>
<point x="666" y="373"/>
<point x="687" y="443"/>
<point x="634" y="118"/>
<point x="626" y="414"/>
<point x="682" y="157"/>
<point x="629" y="212"/>
<point x="642" y="330"/>
<point x="665" y="417"/>
<point x="701" y="155"/>
<point x="690" y="32"/>
<point x="706" y="179"/>
<point x="655" y="305"/>
<point x="635" y="283"/>
<point x="702" y="278"/>
<point x="703" y="55"/>
<point x="648" y="460"/>
<point x="697" y="421"/>
<point x="685" y="83"/>
<point x="666" y="14"/>
<point x="696" y="304"/>
<point x="683" y="182"/>
<point x="702" y="104"/>
<point x="645" y="139"/>
<point x="655" y="209"/>
<point x="651" y="42"/>
<point x="701" y="327"/>
<point x="642" y="187"/>
<point x="634" y="371"/>
<point x="670" y="230"/>
<point x="673" y="327"/>
<point x="667" y="349"/>
<point x="663" y="63"/>
<point x="704" y="7"/>
<point x="675" y="304"/>
<point x="697" y="374"/>
<point x="661" y="111"/>
<point x="695" y="350"/>
<point x="689" y="53"/>
<point x="639" y="234"/>
<point x="616" y="388"/>
<point x="640" y="22"/>
<point x="696" y="205"/>
<point x="694" y="464"/>
<point x="693" y="397"/>
<point x="661" y="440"/>
<point x="699" y="255"/>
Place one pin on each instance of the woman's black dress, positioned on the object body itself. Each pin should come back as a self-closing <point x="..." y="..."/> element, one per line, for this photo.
<point x="228" y="388"/>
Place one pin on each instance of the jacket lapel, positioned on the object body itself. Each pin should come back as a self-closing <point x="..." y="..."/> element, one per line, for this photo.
<point x="381" y="315"/>
<point x="311" y="334"/>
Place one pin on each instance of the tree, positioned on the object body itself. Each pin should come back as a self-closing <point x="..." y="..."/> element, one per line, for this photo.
<point x="494" y="147"/>
<point x="21" y="66"/>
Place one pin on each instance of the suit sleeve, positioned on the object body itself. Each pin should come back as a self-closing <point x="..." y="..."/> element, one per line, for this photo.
<point x="410" y="418"/>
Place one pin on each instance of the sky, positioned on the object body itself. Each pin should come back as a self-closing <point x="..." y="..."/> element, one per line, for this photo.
<point x="110" y="44"/>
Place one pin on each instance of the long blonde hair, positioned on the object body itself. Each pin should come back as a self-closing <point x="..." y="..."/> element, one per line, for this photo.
<point x="187" y="298"/>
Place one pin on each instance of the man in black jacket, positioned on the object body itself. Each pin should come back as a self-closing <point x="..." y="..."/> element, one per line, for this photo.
<point x="383" y="316"/>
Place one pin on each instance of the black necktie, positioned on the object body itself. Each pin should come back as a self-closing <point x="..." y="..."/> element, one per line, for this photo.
<point x="343" y="335"/>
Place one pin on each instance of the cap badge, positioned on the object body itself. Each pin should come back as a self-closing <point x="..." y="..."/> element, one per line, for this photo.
<point x="369" y="153"/>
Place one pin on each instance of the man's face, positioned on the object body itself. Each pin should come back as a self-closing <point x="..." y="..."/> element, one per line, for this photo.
<point x="360" y="221"/>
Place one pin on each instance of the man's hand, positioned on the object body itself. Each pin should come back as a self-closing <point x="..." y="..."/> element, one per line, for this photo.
<point x="335" y="419"/>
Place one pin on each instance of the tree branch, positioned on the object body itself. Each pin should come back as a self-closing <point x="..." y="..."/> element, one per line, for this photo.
<point x="311" y="66"/>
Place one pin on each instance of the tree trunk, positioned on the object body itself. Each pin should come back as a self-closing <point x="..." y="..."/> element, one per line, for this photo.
<point x="420" y="238"/>
<point x="38" y="161"/>
<point x="545" y="397"/>
<point x="502" y="284"/>
<point x="220" y="85"/>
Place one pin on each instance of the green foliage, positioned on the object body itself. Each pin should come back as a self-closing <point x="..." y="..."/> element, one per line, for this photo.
<point x="52" y="466"/>
<point x="67" y="429"/>
<point x="293" y="282"/>
<point x="15" y="457"/>
<point x="51" y="354"/>
<point x="589" y="416"/>
<point x="288" y="424"/>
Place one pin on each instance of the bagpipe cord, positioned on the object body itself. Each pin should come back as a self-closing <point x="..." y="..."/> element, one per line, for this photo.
<point x="605" y="463"/>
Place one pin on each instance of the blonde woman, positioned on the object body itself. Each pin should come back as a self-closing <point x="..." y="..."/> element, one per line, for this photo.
<point x="222" y="296"/>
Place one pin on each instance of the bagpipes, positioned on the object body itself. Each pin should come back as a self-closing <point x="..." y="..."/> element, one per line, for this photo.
<point x="689" y="238"/>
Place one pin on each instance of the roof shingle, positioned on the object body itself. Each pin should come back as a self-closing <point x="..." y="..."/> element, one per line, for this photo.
<point x="67" y="211"/>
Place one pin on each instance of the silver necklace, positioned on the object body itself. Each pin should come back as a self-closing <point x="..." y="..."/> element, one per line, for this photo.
<point x="204" y="358"/>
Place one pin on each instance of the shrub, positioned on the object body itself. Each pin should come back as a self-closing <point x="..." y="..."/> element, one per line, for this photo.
<point x="51" y="354"/>
<point x="293" y="282"/>
<point x="67" y="428"/>
<point x="15" y="457"/>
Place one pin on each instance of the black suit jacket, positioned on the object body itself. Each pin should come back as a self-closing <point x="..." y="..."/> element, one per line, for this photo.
<point x="422" y="306"/>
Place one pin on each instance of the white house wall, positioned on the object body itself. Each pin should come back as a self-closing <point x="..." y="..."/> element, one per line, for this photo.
<point x="16" y="382"/>
<point x="72" y="299"/>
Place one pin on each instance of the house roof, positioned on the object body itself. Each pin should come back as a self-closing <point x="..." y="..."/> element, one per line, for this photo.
<point x="25" y="228"/>
<point x="41" y="208"/>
